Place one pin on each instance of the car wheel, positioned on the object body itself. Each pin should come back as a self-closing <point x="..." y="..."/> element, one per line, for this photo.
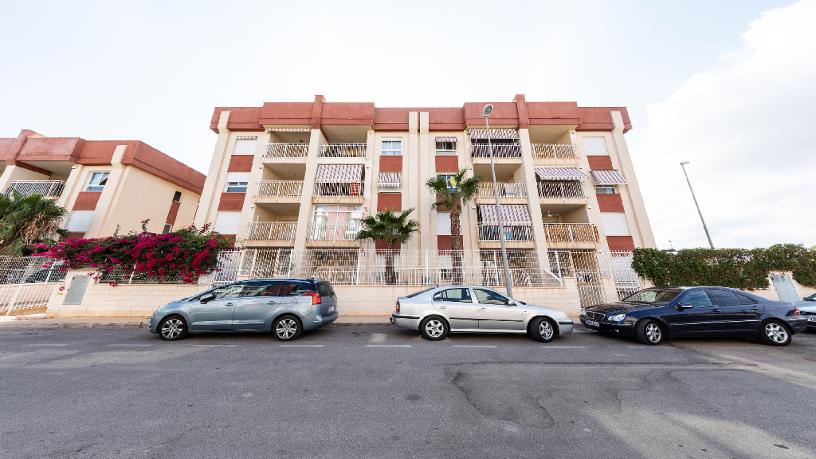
<point x="434" y="328"/>
<point x="650" y="332"/>
<point x="775" y="333"/>
<point x="286" y="328"/>
<point x="172" y="328"/>
<point x="542" y="329"/>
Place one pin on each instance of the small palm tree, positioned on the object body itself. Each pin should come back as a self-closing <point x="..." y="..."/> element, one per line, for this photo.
<point x="391" y="228"/>
<point x="453" y="193"/>
<point x="25" y="220"/>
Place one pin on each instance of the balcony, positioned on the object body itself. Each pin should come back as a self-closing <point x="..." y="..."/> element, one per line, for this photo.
<point x="509" y="191"/>
<point x="500" y="151"/>
<point x="285" y="150"/>
<point x="281" y="231"/>
<point x="45" y="188"/>
<point x="288" y="190"/>
<point x="343" y="150"/>
<point x="562" y="190"/>
<point x="553" y="152"/>
<point x="353" y="190"/>
<point x="571" y="234"/>
<point x="336" y="234"/>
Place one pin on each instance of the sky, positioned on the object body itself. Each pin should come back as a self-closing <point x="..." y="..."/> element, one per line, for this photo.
<point x="726" y="85"/>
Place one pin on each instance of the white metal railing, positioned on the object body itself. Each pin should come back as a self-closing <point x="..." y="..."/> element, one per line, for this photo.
<point x="561" y="189"/>
<point x="285" y="150"/>
<point x="502" y="150"/>
<point x="46" y="188"/>
<point x="570" y="232"/>
<point x="280" y="188"/>
<point x="553" y="151"/>
<point x="506" y="190"/>
<point x="511" y="232"/>
<point x="334" y="232"/>
<point x="26" y="283"/>
<point x="272" y="231"/>
<point x="343" y="150"/>
<point x="338" y="189"/>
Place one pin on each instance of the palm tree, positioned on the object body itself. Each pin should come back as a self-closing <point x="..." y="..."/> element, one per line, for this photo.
<point x="391" y="228"/>
<point x="452" y="193"/>
<point x="25" y="220"/>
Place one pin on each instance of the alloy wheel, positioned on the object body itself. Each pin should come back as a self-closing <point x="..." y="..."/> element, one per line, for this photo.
<point x="434" y="328"/>
<point x="286" y="328"/>
<point x="776" y="333"/>
<point x="653" y="333"/>
<point x="172" y="328"/>
<point x="545" y="330"/>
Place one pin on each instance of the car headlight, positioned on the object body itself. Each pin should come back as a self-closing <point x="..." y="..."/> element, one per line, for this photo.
<point x="617" y="317"/>
<point x="583" y="311"/>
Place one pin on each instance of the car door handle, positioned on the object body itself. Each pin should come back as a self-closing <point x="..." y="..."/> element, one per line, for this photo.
<point x="483" y="308"/>
<point x="443" y="307"/>
<point x="755" y="308"/>
<point x="272" y="302"/>
<point x="230" y="304"/>
<point x="717" y="310"/>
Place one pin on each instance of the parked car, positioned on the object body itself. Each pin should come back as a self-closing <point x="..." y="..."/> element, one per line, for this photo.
<point x="285" y="307"/>
<point x="438" y="311"/>
<point x="807" y="306"/>
<point x="654" y="314"/>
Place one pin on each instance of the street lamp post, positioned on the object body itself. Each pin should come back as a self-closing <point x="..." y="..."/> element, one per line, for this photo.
<point x="700" y="213"/>
<point x="508" y="278"/>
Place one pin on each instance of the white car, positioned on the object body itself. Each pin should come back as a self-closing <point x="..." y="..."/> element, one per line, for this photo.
<point x="807" y="308"/>
<point x="438" y="311"/>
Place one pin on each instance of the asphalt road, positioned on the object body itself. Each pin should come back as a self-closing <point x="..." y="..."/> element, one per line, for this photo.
<point x="373" y="391"/>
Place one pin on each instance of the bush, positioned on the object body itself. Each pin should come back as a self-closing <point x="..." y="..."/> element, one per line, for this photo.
<point x="737" y="268"/>
<point x="184" y="254"/>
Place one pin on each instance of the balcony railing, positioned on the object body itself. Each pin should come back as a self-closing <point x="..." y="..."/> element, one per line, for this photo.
<point x="280" y="188"/>
<point x="339" y="189"/>
<point x="285" y="150"/>
<point x="553" y="151"/>
<point x="343" y="150"/>
<point x="334" y="232"/>
<point x="272" y="231"/>
<point x="506" y="190"/>
<point x="46" y="188"/>
<point x="570" y="232"/>
<point x="480" y="150"/>
<point x="561" y="189"/>
<point x="511" y="232"/>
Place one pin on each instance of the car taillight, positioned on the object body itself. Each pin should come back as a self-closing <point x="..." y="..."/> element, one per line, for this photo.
<point x="398" y="306"/>
<point x="315" y="297"/>
<point x="795" y="311"/>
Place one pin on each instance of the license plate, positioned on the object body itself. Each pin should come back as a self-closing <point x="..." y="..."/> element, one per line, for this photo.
<point x="811" y="319"/>
<point x="592" y="323"/>
<point x="331" y="308"/>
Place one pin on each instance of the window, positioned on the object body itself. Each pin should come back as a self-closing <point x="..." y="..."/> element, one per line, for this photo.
<point x="228" y="291"/>
<point x="448" y="178"/>
<point x="244" y="146"/>
<point x="237" y="182"/>
<point x="723" y="297"/>
<point x="227" y="222"/>
<point x="489" y="297"/>
<point x="696" y="298"/>
<point x="443" y="224"/>
<point x="324" y="289"/>
<point x="294" y="288"/>
<point x="97" y="181"/>
<point x="614" y="224"/>
<point x="455" y="295"/>
<point x="745" y="299"/>
<point x="167" y="228"/>
<point x="594" y="145"/>
<point x="79" y="221"/>
<point x="445" y="147"/>
<point x="606" y="189"/>
<point x="653" y="296"/>
<point x="177" y="196"/>
<point x="391" y="148"/>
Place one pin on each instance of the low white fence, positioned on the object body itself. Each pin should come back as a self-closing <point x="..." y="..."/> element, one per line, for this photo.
<point x="26" y="283"/>
<point x="46" y="188"/>
<point x="285" y="150"/>
<point x="553" y="151"/>
<point x="280" y="188"/>
<point x="343" y="150"/>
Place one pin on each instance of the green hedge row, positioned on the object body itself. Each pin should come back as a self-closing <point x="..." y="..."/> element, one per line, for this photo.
<point x="737" y="268"/>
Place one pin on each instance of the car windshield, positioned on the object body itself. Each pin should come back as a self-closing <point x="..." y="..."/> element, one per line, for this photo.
<point x="419" y="292"/>
<point x="810" y="298"/>
<point x="653" y="296"/>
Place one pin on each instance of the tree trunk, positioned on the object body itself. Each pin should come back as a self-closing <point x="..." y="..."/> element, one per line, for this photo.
<point x="390" y="275"/>
<point x="456" y="243"/>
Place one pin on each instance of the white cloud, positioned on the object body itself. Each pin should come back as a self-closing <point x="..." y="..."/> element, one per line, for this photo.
<point x="746" y="127"/>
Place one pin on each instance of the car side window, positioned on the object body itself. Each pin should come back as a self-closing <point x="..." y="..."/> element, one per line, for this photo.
<point x="745" y="299"/>
<point x="489" y="297"/>
<point x="456" y="295"/>
<point x="293" y="289"/>
<point x="228" y="291"/>
<point x="723" y="297"/>
<point x="261" y="289"/>
<point x="696" y="298"/>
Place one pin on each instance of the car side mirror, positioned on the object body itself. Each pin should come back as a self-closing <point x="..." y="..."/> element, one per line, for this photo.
<point x="205" y="298"/>
<point x="520" y="303"/>
<point x="683" y="307"/>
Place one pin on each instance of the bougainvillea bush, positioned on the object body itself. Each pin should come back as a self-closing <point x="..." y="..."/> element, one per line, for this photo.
<point x="184" y="254"/>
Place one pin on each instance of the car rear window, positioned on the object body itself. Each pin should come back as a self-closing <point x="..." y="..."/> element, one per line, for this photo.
<point x="723" y="297"/>
<point x="325" y="289"/>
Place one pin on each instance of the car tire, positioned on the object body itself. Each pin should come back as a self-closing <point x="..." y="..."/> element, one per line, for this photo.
<point x="775" y="333"/>
<point x="650" y="331"/>
<point x="172" y="328"/>
<point x="287" y="328"/>
<point x="542" y="329"/>
<point x="434" y="328"/>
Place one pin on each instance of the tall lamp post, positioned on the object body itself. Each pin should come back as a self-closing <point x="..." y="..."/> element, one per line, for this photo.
<point x="700" y="213"/>
<point x="508" y="278"/>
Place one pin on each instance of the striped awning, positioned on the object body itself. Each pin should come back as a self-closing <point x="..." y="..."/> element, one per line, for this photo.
<point x="390" y="179"/>
<point x="559" y="173"/>
<point x="511" y="134"/>
<point x="608" y="177"/>
<point x="445" y="139"/>
<point x="512" y="214"/>
<point x="339" y="173"/>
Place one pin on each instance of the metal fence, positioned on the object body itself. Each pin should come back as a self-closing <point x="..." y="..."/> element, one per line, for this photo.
<point x="280" y="188"/>
<point x="272" y="231"/>
<point x="553" y="151"/>
<point x="571" y="232"/>
<point x="561" y="189"/>
<point x="46" y="188"/>
<point x="285" y="150"/>
<point x="26" y="283"/>
<point x="500" y="150"/>
<point x="343" y="150"/>
<point x="506" y="189"/>
<point x="339" y="189"/>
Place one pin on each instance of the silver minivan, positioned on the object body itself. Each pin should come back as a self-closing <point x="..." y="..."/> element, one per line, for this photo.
<point x="285" y="307"/>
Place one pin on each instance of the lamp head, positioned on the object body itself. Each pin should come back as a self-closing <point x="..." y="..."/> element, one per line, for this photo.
<point x="487" y="110"/>
<point x="683" y="163"/>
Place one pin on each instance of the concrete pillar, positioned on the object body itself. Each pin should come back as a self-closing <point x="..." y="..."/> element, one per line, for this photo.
<point x="73" y="185"/>
<point x="528" y="166"/>
<point x="211" y="194"/>
<point x="117" y="176"/>
<point x="593" y="212"/>
<point x="255" y="175"/>
<point x="305" y="212"/>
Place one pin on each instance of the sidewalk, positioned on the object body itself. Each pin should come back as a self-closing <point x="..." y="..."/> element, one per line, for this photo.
<point x="40" y="321"/>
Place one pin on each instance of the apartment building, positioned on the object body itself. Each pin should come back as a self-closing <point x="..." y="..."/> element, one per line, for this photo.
<point x="106" y="185"/>
<point x="292" y="180"/>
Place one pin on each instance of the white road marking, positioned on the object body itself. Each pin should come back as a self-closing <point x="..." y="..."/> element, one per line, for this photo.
<point x="474" y="345"/>
<point x="48" y="344"/>
<point x="301" y="345"/>
<point x="388" y="345"/>
<point x="377" y="338"/>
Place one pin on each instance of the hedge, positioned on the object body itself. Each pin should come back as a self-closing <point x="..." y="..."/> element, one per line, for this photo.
<point x="737" y="268"/>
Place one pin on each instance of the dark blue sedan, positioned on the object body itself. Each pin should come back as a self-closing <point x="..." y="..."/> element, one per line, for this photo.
<point x="654" y="314"/>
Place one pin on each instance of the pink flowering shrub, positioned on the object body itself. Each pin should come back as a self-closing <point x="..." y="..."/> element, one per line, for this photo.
<point x="184" y="254"/>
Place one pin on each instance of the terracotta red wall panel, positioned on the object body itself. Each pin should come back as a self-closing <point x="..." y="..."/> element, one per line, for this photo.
<point x="597" y="162"/>
<point x="86" y="200"/>
<point x="231" y="201"/>
<point x="620" y="243"/>
<point x="390" y="163"/>
<point x="444" y="242"/>
<point x="447" y="164"/>
<point x="381" y="245"/>
<point x="240" y="163"/>
<point x="610" y="203"/>
<point x="173" y="212"/>
<point x="389" y="201"/>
